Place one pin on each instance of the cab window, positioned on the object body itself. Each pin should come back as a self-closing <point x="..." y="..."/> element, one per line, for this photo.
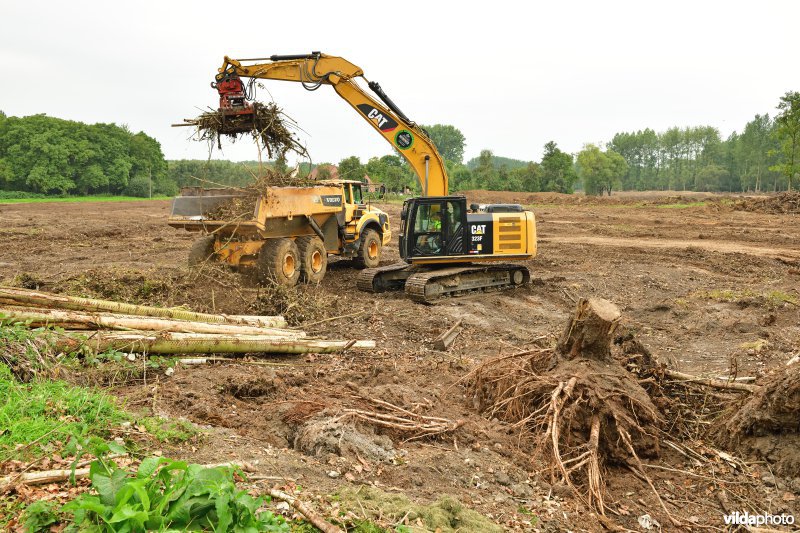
<point x="357" y="198"/>
<point x="348" y="198"/>
<point x="428" y="230"/>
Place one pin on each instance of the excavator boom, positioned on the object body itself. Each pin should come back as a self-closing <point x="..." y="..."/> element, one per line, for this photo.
<point x="316" y="69"/>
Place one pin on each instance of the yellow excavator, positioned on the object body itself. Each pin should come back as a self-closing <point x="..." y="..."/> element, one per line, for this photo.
<point x="447" y="249"/>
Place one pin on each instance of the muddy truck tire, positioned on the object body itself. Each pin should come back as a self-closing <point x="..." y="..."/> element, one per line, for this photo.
<point x="313" y="259"/>
<point x="202" y="250"/>
<point x="369" y="253"/>
<point x="279" y="261"/>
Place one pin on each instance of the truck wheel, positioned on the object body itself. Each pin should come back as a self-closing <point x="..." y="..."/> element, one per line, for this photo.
<point x="313" y="259"/>
<point x="202" y="250"/>
<point x="369" y="254"/>
<point x="279" y="261"/>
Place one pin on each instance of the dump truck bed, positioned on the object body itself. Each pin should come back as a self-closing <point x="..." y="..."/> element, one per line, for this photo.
<point x="274" y="212"/>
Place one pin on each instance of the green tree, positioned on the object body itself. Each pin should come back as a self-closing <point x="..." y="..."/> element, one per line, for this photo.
<point x="558" y="172"/>
<point x="350" y="168"/>
<point x="324" y="171"/>
<point x="485" y="174"/>
<point x="711" y="178"/>
<point x="527" y="178"/>
<point x="449" y="141"/>
<point x="788" y="133"/>
<point x="601" y="172"/>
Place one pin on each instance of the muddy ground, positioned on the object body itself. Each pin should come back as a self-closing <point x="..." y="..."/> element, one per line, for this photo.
<point x="706" y="288"/>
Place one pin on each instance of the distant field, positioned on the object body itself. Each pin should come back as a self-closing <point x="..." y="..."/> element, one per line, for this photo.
<point x="74" y="199"/>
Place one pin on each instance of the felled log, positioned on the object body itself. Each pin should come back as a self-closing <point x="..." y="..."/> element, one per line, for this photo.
<point x="67" y="319"/>
<point x="25" y="297"/>
<point x="590" y="330"/>
<point x="189" y="343"/>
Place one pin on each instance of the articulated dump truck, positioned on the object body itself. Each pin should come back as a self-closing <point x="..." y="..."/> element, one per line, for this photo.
<point x="285" y="233"/>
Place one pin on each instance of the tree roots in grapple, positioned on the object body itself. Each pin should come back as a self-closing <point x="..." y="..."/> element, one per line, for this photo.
<point x="268" y="125"/>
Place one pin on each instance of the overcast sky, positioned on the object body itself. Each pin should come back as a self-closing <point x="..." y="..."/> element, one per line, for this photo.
<point x="510" y="75"/>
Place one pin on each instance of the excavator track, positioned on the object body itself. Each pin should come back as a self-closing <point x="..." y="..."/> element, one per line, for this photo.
<point x="430" y="285"/>
<point x="381" y="279"/>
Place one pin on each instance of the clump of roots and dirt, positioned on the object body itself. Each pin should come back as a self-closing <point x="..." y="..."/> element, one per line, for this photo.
<point x="782" y="203"/>
<point x="767" y="424"/>
<point x="586" y="410"/>
<point x="268" y="125"/>
<point x="299" y="304"/>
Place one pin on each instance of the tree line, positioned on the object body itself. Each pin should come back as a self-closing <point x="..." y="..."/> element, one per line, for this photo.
<point x="51" y="156"/>
<point x="41" y="154"/>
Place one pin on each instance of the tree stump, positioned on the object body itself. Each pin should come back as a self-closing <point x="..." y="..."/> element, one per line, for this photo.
<point x="590" y="331"/>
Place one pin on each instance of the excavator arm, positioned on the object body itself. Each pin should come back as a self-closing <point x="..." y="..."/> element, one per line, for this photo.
<point x="316" y="69"/>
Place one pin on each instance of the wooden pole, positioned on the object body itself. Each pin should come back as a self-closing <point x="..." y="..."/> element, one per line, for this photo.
<point x="77" y="320"/>
<point x="16" y="296"/>
<point x="446" y="339"/>
<point x="189" y="343"/>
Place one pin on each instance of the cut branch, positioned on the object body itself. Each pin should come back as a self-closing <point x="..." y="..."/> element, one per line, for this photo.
<point x="709" y="382"/>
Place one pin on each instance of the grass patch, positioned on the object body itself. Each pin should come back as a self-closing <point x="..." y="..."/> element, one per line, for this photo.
<point x="39" y="417"/>
<point x="446" y="514"/>
<point x="686" y="205"/>
<point x="167" y="430"/>
<point x="772" y="298"/>
<point x="77" y="199"/>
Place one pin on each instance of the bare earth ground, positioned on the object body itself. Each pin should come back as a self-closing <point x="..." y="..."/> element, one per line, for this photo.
<point x="705" y="288"/>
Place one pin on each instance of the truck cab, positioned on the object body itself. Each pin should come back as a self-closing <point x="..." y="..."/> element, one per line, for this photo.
<point x="359" y="215"/>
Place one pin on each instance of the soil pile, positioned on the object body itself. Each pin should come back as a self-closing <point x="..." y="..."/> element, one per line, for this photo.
<point x="782" y="203"/>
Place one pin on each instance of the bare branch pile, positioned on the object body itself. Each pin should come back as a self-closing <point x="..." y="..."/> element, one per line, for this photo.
<point x="269" y="126"/>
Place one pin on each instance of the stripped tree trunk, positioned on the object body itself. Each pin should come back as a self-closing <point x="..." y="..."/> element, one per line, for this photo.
<point x="77" y="320"/>
<point x="590" y="331"/>
<point x="15" y="296"/>
<point x="177" y="343"/>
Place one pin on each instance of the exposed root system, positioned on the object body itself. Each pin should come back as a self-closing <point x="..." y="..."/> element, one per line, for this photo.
<point x="583" y="413"/>
<point x="767" y="424"/>
<point x="269" y="127"/>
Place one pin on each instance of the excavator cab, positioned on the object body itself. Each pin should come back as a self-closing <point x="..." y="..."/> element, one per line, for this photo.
<point x="433" y="226"/>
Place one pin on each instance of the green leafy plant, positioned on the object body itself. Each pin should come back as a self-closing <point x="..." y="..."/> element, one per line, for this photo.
<point x="167" y="495"/>
<point x="39" y="516"/>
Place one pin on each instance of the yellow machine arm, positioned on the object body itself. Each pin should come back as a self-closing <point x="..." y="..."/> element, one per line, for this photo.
<point x="315" y="69"/>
